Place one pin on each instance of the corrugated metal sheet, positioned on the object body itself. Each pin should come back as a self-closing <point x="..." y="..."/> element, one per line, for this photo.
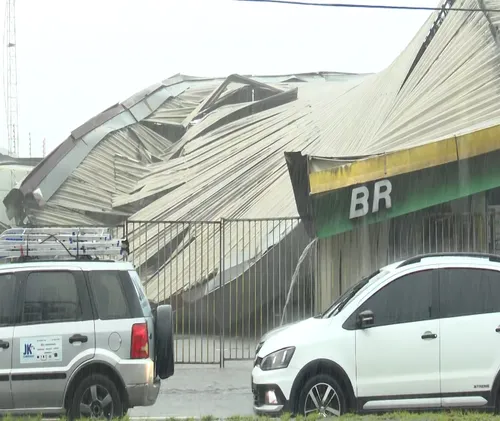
<point x="237" y="169"/>
<point x="58" y="216"/>
<point x="91" y="186"/>
<point x="176" y="109"/>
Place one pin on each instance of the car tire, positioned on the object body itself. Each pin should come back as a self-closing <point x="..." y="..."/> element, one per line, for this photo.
<point x="164" y="336"/>
<point x="97" y="392"/>
<point x="318" y="386"/>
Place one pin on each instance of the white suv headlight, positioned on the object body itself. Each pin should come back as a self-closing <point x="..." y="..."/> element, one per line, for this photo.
<point x="278" y="359"/>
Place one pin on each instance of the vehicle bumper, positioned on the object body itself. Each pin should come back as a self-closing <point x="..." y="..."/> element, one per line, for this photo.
<point x="143" y="394"/>
<point x="261" y="405"/>
<point x="271" y="390"/>
<point x="141" y="384"/>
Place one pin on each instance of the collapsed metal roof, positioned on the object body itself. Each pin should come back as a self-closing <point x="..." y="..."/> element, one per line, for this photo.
<point x="89" y="176"/>
<point x="203" y="149"/>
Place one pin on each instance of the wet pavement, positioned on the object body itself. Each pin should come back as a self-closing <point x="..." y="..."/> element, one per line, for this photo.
<point x="198" y="390"/>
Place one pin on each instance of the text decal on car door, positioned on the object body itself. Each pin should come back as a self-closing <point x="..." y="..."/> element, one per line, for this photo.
<point x="41" y="349"/>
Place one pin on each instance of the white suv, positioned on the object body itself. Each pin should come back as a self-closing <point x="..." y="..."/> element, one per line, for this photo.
<point x="422" y="334"/>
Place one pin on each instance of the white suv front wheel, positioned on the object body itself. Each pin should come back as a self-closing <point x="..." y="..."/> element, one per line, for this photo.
<point x="321" y="394"/>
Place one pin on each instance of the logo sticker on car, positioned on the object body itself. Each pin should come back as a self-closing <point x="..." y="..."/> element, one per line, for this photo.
<point x="41" y="349"/>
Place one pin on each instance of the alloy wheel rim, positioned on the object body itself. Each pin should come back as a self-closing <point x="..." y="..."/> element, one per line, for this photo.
<point x="96" y="403"/>
<point x="323" y="399"/>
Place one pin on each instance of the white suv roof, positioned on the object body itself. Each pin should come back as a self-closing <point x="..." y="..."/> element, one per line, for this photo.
<point x="458" y="257"/>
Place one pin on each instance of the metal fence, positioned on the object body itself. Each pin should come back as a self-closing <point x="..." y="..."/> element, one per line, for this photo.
<point x="230" y="281"/>
<point x="347" y="257"/>
<point x="419" y="234"/>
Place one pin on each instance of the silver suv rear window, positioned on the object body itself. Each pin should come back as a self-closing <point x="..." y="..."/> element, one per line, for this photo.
<point x="143" y="299"/>
<point x="109" y="295"/>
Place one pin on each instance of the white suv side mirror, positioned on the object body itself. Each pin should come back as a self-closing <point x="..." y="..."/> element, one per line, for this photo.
<point x="365" y="319"/>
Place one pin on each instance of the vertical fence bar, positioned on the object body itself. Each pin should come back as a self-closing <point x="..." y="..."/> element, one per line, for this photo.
<point x="244" y="292"/>
<point x="230" y="312"/>
<point x="202" y="276"/>
<point x="256" y="311"/>
<point x="217" y="236"/>
<point x="221" y="289"/>
<point x="239" y="305"/>
<point x="268" y="252"/>
<point x="279" y="273"/>
<point x="275" y="249"/>
<point x="146" y="259"/>
<point x="191" y="286"/>
<point x="158" y="264"/>
<point x="247" y="287"/>
<point x="183" y="272"/>
<point x="262" y="281"/>
<point x="492" y="233"/>
<point x="296" y="316"/>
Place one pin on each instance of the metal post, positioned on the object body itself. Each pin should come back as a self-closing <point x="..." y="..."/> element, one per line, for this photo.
<point x="221" y="291"/>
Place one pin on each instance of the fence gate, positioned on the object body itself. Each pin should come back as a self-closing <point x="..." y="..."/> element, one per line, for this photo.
<point x="228" y="282"/>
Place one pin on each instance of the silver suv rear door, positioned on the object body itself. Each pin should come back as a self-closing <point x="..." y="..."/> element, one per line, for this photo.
<point x="8" y="284"/>
<point x="118" y="308"/>
<point x="54" y="335"/>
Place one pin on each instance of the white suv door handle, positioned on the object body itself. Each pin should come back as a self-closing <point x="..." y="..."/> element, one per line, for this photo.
<point x="429" y="335"/>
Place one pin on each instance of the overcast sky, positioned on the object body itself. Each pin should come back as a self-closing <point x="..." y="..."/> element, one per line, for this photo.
<point x="77" y="58"/>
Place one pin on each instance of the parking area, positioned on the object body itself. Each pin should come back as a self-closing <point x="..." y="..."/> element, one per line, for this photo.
<point x="197" y="390"/>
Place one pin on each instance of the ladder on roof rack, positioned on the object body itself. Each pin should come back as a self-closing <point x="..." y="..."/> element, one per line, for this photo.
<point x="61" y="243"/>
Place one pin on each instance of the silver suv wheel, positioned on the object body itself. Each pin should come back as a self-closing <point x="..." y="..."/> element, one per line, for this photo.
<point x="96" y="397"/>
<point x="96" y="402"/>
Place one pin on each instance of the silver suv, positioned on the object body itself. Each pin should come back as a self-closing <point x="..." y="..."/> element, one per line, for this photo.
<point x="78" y="337"/>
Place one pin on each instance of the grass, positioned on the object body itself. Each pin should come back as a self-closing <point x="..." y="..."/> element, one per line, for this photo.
<point x="393" y="416"/>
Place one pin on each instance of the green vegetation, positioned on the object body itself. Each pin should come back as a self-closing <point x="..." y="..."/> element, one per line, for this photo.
<point x="395" y="416"/>
<point x="437" y="416"/>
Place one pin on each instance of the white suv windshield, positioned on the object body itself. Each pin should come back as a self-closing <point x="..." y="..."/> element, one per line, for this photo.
<point x="347" y="296"/>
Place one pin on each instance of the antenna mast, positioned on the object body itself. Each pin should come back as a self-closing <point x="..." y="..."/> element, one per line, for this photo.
<point x="10" y="77"/>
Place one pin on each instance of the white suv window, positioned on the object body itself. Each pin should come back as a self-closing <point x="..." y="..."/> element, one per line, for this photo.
<point x="352" y="292"/>
<point x="468" y="291"/>
<point x="404" y="300"/>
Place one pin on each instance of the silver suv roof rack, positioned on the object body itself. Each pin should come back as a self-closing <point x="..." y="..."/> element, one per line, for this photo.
<point x="61" y="244"/>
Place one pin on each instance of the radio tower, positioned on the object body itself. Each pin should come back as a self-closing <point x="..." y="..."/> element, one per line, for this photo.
<point x="10" y="77"/>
